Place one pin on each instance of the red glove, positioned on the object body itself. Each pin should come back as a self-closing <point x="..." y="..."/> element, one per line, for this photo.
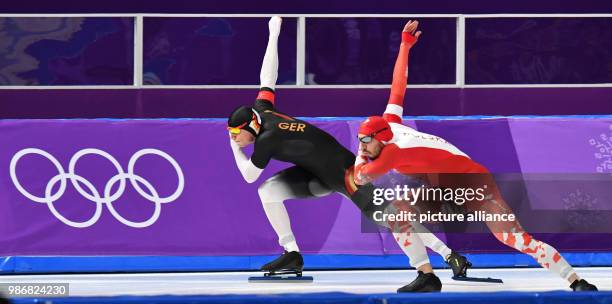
<point x="409" y="39"/>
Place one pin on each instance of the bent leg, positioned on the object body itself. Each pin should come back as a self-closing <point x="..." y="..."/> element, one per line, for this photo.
<point x="411" y="237"/>
<point x="290" y="183"/>
<point x="411" y="243"/>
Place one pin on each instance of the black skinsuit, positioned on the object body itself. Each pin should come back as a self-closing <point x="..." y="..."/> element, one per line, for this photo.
<point x="316" y="154"/>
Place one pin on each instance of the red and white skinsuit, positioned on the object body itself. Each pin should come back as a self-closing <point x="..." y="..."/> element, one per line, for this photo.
<point x="411" y="152"/>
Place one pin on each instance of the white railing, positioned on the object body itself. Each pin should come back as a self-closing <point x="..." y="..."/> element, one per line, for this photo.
<point x="301" y="50"/>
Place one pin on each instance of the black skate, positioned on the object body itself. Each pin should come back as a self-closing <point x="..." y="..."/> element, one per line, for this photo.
<point x="583" y="285"/>
<point x="286" y="268"/>
<point x="460" y="264"/>
<point x="424" y="282"/>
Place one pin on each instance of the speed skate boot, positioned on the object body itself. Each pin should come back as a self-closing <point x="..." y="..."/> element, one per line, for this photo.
<point x="288" y="263"/>
<point x="582" y="285"/>
<point x="458" y="263"/>
<point x="425" y="282"/>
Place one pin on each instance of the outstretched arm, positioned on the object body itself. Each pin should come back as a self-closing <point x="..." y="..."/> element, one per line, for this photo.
<point x="269" y="66"/>
<point x="249" y="171"/>
<point x="395" y="105"/>
<point x="265" y="101"/>
<point x="364" y="170"/>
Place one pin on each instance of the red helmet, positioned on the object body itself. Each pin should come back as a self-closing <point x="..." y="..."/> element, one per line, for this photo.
<point x="377" y="127"/>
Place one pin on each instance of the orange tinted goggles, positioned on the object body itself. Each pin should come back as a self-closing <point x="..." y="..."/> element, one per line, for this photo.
<point x="236" y="130"/>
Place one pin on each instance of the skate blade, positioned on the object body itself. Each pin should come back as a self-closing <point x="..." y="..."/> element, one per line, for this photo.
<point x="482" y="280"/>
<point x="281" y="279"/>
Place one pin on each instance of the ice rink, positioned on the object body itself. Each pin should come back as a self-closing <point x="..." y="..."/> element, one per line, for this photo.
<point x="349" y="281"/>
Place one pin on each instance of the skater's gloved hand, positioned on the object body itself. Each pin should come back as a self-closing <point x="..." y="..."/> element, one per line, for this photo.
<point x="360" y="160"/>
<point x="410" y="36"/>
<point x="361" y="179"/>
<point x="274" y="25"/>
<point x="249" y="171"/>
<point x="234" y="145"/>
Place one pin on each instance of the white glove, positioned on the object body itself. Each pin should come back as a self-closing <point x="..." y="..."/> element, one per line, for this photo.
<point x="274" y="25"/>
<point x="357" y="177"/>
<point x="360" y="159"/>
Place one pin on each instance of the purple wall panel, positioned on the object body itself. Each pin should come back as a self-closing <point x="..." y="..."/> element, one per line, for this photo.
<point x="535" y="101"/>
<point x="543" y="151"/>
<point x="216" y="51"/>
<point x="70" y="103"/>
<point x="207" y="103"/>
<point x="224" y="219"/>
<point x="364" y="50"/>
<point x="216" y="213"/>
<point x="66" y="51"/>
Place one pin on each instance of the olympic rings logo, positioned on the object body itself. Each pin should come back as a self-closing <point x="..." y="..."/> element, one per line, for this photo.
<point x="92" y="194"/>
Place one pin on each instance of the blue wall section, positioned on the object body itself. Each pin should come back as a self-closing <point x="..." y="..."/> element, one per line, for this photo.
<point x="336" y="297"/>
<point x="74" y="264"/>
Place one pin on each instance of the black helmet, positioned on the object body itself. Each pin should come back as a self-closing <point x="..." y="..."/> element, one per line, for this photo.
<point x="245" y="118"/>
